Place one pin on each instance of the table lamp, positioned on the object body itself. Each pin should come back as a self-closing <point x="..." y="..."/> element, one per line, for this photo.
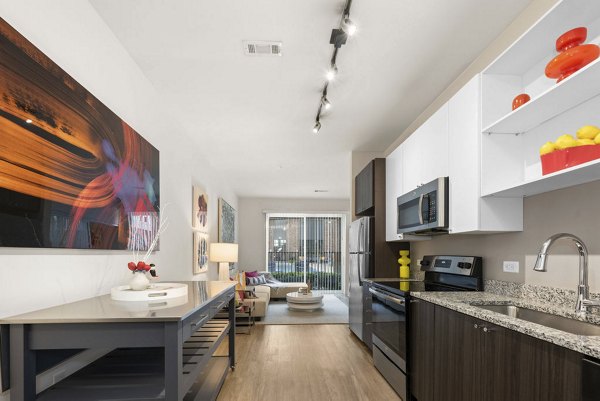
<point x="223" y="253"/>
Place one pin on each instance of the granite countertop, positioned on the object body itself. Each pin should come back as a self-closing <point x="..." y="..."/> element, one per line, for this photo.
<point x="461" y="302"/>
<point x="103" y="309"/>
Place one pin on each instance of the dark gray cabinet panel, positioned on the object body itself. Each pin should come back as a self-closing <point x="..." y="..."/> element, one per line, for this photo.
<point x="421" y="354"/>
<point x="473" y="360"/>
<point x="364" y="191"/>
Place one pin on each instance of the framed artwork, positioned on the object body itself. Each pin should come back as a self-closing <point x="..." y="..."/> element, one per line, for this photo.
<point x="200" y="252"/>
<point x="72" y="174"/>
<point x="199" y="208"/>
<point x="226" y="222"/>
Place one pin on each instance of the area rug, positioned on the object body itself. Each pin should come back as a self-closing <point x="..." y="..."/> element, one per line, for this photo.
<point x="334" y="311"/>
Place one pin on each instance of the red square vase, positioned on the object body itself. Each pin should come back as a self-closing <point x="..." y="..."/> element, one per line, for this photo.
<point x="561" y="159"/>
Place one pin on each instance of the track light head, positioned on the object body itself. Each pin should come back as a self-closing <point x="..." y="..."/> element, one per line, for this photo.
<point x="325" y="102"/>
<point x="348" y="26"/>
<point x="317" y="127"/>
<point x="331" y="74"/>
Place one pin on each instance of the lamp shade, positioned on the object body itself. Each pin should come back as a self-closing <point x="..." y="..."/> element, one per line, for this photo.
<point x="223" y="252"/>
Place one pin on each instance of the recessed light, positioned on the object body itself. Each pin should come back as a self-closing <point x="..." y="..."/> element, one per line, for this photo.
<point x="325" y="102"/>
<point x="28" y="121"/>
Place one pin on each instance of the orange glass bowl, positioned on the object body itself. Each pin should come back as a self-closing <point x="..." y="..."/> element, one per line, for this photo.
<point x="573" y="54"/>
<point x="520" y="100"/>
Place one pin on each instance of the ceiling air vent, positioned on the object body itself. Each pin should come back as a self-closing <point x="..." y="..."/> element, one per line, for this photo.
<point x="262" y="48"/>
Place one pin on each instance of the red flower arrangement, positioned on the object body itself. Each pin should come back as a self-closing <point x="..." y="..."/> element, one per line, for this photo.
<point x="142" y="267"/>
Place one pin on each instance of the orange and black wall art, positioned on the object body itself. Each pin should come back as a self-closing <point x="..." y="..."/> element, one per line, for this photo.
<point x="72" y="173"/>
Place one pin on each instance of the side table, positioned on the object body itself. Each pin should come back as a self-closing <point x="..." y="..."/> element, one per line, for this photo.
<point x="244" y="321"/>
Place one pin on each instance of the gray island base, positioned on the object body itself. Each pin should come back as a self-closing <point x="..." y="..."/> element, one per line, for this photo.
<point x="160" y="350"/>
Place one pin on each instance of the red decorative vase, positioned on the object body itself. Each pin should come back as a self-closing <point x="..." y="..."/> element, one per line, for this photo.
<point x="573" y="54"/>
<point x="520" y="100"/>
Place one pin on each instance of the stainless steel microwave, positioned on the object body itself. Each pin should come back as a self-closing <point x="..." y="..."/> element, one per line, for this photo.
<point x="424" y="210"/>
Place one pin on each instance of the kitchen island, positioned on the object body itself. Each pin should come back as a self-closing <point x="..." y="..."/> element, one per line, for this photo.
<point x="183" y="329"/>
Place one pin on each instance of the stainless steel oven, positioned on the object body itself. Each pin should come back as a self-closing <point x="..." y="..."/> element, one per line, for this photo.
<point x="425" y="209"/>
<point x="389" y="337"/>
<point x="390" y="312"/>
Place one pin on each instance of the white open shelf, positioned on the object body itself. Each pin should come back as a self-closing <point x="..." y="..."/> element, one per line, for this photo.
<point x="569" y="93"/>
<point x="511" y="139"/>
<point x="569" y="177"/>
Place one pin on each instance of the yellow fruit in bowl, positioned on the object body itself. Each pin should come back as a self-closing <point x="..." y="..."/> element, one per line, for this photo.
<point x="583" y="142"/>
<point x="565" y="141"/>
<point x="597" y="139"/>
<point x="546" y="148"/>
<point x="588" y="132"/>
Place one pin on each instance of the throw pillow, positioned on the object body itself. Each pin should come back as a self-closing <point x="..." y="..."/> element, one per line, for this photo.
<point x="255" y="280"/>
<point x="252" y="274"/>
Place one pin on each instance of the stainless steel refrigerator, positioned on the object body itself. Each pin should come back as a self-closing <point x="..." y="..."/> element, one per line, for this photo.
<point x="360" y="243"/>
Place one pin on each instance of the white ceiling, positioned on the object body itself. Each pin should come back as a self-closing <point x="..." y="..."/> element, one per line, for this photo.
<point x="254" y="115"/>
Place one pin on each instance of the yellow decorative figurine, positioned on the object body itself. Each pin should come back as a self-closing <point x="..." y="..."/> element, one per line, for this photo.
<point x="404" y="264"/>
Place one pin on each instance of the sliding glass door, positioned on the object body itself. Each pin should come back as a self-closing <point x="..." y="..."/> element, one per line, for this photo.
<point x="307" y="248"/>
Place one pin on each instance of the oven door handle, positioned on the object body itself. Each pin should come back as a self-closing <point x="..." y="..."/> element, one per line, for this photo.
<point x="421" y="197"/>
<point x="378" y="294"/>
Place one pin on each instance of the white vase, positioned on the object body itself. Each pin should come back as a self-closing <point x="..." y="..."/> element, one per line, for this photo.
<point x="139" y="281"/>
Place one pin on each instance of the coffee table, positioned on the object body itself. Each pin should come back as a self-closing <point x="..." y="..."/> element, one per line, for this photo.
<point x="304" y="302"/>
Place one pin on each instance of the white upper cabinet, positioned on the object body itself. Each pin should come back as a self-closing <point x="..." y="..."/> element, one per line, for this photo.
<point x="433" y="140"/>
<point x="511" y="165"/>
<point x="425" y="152"/>
<point x="393" y="189"/>
<point x="468" y="211"/>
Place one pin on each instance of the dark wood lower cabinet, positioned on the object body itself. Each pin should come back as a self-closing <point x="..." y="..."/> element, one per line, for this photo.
<point x="471" y="360"/>
<point x="421" y="354"/>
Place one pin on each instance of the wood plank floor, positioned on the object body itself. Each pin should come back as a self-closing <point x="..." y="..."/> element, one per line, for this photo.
<point x="304" y="362"/>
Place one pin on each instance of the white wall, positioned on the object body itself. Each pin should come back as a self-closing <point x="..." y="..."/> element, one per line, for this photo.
<point x="74" y="36"/>
<point x="252" y="223"/>
<point x="572" y="210"/>
<point x="522" y="23"/>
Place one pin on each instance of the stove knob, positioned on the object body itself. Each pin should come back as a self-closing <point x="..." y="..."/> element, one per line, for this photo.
<point x="461" y="265"/>
<point x="467" y="265"/>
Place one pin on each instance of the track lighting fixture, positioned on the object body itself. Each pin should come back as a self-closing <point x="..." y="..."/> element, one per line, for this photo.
<point x="331" y="73"/>
<point x="338" y="38"/>
<point x="348" y="26"/>
<point x="317" y="127"/>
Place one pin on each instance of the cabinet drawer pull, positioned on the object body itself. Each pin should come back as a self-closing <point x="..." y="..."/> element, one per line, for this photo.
<point x="200" y="322"/>
<point x="476" y="326"/>
<point x="220" y="305"/>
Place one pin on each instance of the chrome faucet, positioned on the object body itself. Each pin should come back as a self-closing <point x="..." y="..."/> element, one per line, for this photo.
<point x="583" y="289"/>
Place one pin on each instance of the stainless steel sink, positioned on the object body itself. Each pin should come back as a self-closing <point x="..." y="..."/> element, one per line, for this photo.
<point x="545" y="319"/>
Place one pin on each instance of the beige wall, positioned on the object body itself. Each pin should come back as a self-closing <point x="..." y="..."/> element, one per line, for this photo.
<point x="526" y="19"/>
<point x="251" y="222"/>
<point x="572" y="210"/>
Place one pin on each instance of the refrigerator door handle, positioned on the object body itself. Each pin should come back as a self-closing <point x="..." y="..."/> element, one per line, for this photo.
<point x="421" y="208"/>
<point x="359" y="271"/>
<point x="361" y="238"/>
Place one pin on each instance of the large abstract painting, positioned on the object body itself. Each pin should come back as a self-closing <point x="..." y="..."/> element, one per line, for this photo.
<point x="72" y="173"/>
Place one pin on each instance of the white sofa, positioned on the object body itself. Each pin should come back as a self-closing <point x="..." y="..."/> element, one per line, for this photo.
<point x="261" y="302"/>
<point x="274" y="289"/>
